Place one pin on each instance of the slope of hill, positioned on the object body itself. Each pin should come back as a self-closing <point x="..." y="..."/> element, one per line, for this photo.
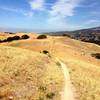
<point x="95" y="31"/>
<point x="28" y="75"/>
<point x="88" y="35"/>
<point x="84" y="69"/>
<point x="91" y="35"/>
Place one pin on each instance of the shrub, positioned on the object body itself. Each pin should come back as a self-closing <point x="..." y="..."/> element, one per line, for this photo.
<point x="9" y="32"/>
<point x="1" y="41"/>
<point x="24" y="37"/>
<point x="40" y="98"/>
<point x="50" y="95"/>
<point x="9" y="39"/>
<point x="5" y="40"/>
<point x="66" y="35"/>
<point x="96" y="55"/>
<point x="42" y="37"/>
<point x="16" y="38"/>
<point x="42" y="88"/>
<point x="45" y="52"/>
<point x="58" y="64"/>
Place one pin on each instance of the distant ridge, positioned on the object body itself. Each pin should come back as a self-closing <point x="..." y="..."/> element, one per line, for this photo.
<point x="87" y="30"/>
<point x="88" y="35"/>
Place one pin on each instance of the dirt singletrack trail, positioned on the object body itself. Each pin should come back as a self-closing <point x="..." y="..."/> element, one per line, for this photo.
<point x="68" y="90"/>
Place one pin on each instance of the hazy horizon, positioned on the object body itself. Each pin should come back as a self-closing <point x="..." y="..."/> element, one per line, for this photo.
<point x="39" y="31"/>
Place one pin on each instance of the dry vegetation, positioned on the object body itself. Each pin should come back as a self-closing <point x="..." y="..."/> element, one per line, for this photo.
<point x="85" y="77"/>
<point x="84" y="69"/>
<point x="27" y="75"/>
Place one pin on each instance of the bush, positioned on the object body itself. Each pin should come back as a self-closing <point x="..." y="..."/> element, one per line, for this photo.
<point x="42" y="37"/>
<point x="96" y="55"/>
<point x="24" y="37"/>
<point x="45" y="52"/>
<point x="50" y="95"/>
<point x="58" y="64"/>
<point x="41" y="98"/>
<point x="16" y="38"/>
<point x="42" y="88"/>
<point x="4" y="40"/>
<point x="1" y="41"/>
<point x="9" y="39"/>
<point x="67" y="35"/>
<point x="9" y="32"/>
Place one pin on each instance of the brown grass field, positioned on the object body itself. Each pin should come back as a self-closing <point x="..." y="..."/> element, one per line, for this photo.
<point x="28" y="75"/>
<point x="84" y="69"/>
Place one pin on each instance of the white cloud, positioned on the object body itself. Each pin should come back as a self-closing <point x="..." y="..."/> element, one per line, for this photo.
<point x="37" y="4"/>
<point x="57" y="22"/>
<point x="57" y="11"/>
<point x="60" y="24"/>
<point x="60" y="10"/>
<point x="25" y="13"/>
<point x="89" y="6"/>
<point x="64" y="8"/>
<point x="10" y="9"/>
<point x="91" y="21"/>
<point x="29" y="14"/>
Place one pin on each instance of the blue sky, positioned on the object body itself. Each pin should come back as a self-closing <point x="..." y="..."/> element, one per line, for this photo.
<point x="48" y="15"/>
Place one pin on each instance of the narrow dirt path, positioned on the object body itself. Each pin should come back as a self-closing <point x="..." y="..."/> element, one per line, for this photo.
<point x="68" y="91"/>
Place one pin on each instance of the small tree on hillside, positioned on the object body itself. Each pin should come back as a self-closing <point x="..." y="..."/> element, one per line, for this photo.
<point x="1" y="41"/>
<point x="16" y="38"/>
<point x="25" y="37"/>
<point x="9" y="39"/>
<point x="42" y="37"/>
<point x="45" y="52"/>
<point x="96" y="55"/>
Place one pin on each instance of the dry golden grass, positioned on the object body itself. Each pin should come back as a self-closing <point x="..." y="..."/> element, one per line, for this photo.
<point x="84" y="69"/>
<point x="2" y="37"/>
<point x="85" y="77"/>
<point x="28" y="75"/>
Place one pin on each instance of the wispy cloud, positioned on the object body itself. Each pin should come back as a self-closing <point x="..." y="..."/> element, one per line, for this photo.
<point x="29" y="14"/>
<point x="64" y="8"/>
<point x="56" y="22"/>
<point x="37" y="4"/>
<point x="57" y="11"/>
<point x="60" y="10"/>
<point x="93" y="4"/>
<point x="25" y="13"/>
<point x="10" y="9"/>
<point x="91" y="21"/>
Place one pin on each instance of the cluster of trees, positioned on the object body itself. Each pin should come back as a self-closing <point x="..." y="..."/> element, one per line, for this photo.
<point x="87" y="37"/>
<point x="9" y="39"/>
<point x="95" y="40"/>
<point x="96" y="55"/>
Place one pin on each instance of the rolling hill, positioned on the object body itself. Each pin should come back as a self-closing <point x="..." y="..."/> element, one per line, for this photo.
<point x="77" y="55"/>
<point x="91" y="35"/>
<point x="28" y="75"/>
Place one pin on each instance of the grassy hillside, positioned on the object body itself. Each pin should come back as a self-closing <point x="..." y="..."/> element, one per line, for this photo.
<point x="84" y="69"/>
<point x="28" y="75"/>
